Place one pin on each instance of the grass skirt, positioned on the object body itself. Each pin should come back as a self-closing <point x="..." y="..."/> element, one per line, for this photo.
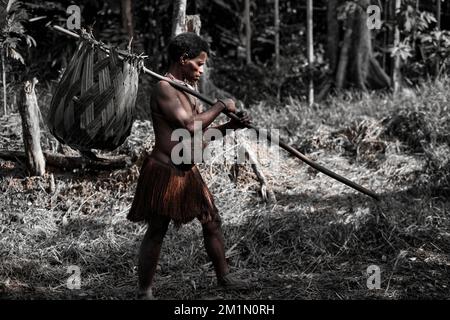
<point x="167" y="190"/>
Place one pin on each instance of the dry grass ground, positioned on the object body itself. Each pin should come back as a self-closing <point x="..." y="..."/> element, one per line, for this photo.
<point x="316" y="242"/>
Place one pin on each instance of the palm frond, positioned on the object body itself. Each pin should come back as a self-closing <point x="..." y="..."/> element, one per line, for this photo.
<point x="14" y="55"/>
<point x="14" y="26"/>
<point x="13" y="5"/>
<point x="11" y="42"/>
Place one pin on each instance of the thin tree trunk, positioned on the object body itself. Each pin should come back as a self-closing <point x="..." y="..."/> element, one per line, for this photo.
<point x="438" y="14"/>
<point x="178" y="17"/>
<point x="387" y="18"/>
<point x="397" y="60"/>
<point x="248" y="32"/>
<point x="29" y="111"/>
<point x="277" y="35"/>
<point x="343" y="59"/>
<point x="310" y="46"/>
<point x="4" y="81"/>
<point x="332" y="35"/>
<point x="361" y="47"/>
<point x="438" y="26"/>
<point x="127" y="17"/>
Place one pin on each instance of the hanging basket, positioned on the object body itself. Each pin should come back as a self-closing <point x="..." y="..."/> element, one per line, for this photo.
<point x="93" y="104"/>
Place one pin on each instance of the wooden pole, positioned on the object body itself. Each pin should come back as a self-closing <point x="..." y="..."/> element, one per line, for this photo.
<point x="309" y="43"/>
<point x="283" y="145"/>
<point x="29" y="112"/>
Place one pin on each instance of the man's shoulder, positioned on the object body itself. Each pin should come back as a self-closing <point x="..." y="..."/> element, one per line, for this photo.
<point x="163" y="88"/>
<point x="163" y="85"/>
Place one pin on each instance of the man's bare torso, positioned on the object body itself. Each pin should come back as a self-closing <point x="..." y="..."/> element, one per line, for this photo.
<point x="164" y="127"/>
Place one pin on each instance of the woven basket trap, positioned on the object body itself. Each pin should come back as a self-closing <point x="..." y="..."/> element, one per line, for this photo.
<point x="93" y="104"/>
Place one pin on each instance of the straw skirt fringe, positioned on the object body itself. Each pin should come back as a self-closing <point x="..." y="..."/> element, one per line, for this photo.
<point x="167" y="190"/>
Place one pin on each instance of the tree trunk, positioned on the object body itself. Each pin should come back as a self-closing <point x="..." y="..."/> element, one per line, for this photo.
<point x="127" y="17"/>
<point x="310" y="46"/>
<point x="2" y="52"/>
<point x="364" y="71"/>
<point x="397" y="60"/>
<point x="385" y="34"/>
<point x="29" y="111"/>
<point x="277" y="35"/>
<point x="343" y="59"/>
<point x="178" y="17"/>
<point x="438" y="26"/>
<point x="333" y="35"/>
<point x="248" y="33"/>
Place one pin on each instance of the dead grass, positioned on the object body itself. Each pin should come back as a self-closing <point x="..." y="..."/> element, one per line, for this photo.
<point x="316" y="242"/>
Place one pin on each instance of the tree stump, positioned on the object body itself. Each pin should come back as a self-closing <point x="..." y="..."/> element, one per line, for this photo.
<point x="29" y="112"/>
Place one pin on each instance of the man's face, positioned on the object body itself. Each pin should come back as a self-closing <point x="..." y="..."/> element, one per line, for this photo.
<point x="193" y="68"/>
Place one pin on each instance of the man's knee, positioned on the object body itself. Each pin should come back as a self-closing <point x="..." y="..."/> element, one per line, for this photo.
<point x="214" y="226"/>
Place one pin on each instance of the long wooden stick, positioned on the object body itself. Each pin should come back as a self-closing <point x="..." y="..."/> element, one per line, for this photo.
<point x="283" y="145"/>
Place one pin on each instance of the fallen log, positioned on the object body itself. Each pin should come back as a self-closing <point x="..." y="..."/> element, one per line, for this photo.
<point x="71" y="163"/>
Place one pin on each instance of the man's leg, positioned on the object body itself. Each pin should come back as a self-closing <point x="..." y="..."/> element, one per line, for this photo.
<point x="149" y="253"/>
<point x="214" y="244"/>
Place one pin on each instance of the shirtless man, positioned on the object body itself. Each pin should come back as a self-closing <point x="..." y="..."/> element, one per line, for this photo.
<point x="166" y="191"/>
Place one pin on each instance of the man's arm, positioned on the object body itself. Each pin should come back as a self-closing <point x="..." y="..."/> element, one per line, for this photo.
<point x="171" y="107"/>
<point x="244" y="120"/>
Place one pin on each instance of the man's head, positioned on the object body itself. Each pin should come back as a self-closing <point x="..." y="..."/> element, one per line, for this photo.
<point x="189" y="52"/>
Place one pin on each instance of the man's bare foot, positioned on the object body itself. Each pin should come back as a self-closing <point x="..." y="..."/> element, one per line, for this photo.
<point x="231" y="282"/>
<point x="146" y="295"/>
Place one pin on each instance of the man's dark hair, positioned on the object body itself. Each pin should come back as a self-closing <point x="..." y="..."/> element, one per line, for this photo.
<point x="187" y="43"/>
